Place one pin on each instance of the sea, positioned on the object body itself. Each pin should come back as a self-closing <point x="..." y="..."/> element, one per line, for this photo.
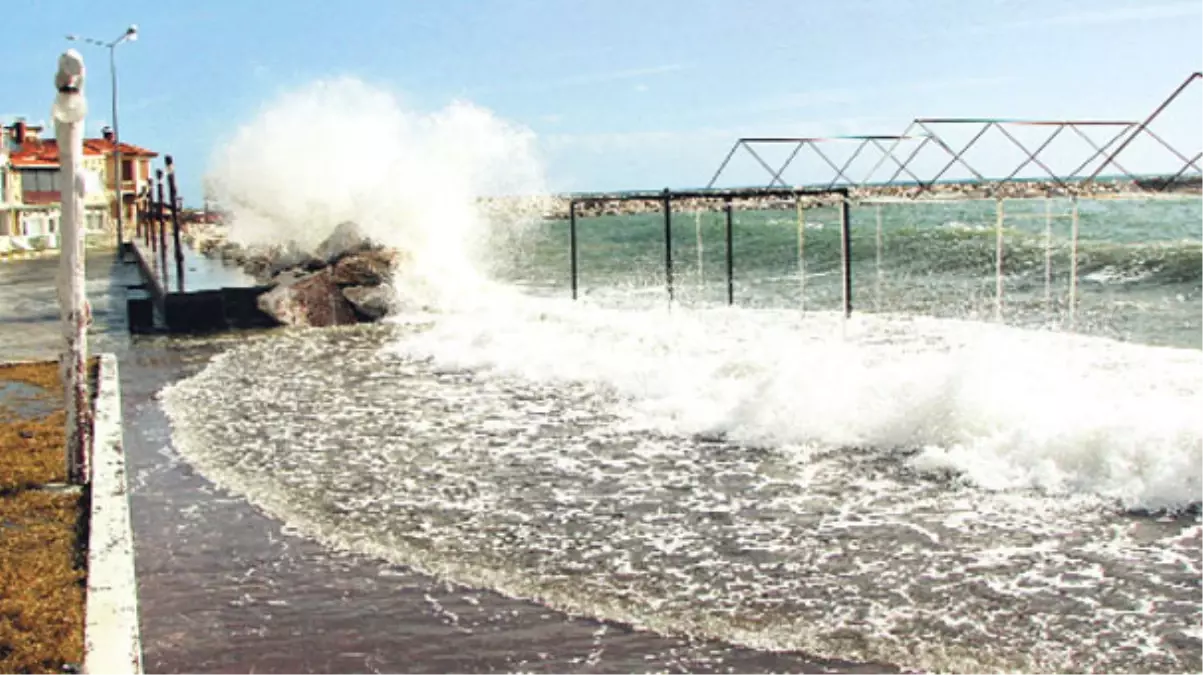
<point x="984" y="467"/>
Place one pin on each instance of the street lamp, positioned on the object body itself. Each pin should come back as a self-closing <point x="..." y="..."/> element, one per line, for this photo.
<point x="129" y="35"/>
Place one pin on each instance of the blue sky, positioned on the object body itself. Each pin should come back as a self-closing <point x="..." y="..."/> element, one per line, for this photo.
<point x="623" y="93"/>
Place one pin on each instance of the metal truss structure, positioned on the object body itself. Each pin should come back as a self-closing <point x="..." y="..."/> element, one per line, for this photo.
<point x="926" y="131"/>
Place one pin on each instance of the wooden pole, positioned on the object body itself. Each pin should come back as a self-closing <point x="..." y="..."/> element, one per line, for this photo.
<point x="175" y="224"/>
<point x="70" y="108"/>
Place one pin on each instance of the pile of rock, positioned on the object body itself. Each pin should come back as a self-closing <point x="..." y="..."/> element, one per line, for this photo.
<point x="556" y="207"/>
<point x="347" y="279"/>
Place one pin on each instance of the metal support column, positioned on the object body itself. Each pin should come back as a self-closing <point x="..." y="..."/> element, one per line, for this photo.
<point x="572" y="243"/>
<point x="730" y="255"/>
<point x="668" y="243"/>
<point x="998" y="262"/>
<point x="846" y="251"/>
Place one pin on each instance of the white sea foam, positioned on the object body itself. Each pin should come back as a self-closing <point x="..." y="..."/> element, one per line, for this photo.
<point x="347" y="150"/>
<point x="1006" y="408"/>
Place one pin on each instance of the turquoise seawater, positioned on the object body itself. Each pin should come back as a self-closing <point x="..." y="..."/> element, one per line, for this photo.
<point x="1138" y="270"/>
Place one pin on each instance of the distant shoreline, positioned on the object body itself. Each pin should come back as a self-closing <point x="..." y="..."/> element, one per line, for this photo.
<point x="556" y="207"/>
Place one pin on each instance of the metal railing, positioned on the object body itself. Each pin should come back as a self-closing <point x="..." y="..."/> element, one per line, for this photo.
<point x="666" y="199"/>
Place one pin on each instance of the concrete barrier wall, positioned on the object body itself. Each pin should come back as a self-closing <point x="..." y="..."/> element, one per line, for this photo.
<point x="112" y="643"/>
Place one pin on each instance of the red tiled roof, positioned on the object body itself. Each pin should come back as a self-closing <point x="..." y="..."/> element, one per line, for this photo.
<point x="45" y="152"/>
<point x="102" y="146"/>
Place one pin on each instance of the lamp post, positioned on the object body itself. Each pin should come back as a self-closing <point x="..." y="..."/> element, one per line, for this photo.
<point x="129" y="35"/>
<point x="70" y="108"/>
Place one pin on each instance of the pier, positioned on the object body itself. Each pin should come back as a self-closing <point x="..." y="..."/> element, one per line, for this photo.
<point x="186" y="292"/>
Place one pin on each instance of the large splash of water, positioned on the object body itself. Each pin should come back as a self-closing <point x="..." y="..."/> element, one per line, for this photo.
<point x="1007" y="408"/>
<point x="346" y="150"/>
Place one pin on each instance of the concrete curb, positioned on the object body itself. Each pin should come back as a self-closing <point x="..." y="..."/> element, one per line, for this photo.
<point x="112" y="643"/>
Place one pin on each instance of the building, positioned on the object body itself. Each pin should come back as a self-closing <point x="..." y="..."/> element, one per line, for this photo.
<point x="29" y="173"/>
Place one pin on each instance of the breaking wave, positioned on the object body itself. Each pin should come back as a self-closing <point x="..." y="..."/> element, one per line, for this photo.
<point x="346" y="150"/>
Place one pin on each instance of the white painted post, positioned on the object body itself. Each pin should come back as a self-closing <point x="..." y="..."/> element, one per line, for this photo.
<point x="70" y="108"/>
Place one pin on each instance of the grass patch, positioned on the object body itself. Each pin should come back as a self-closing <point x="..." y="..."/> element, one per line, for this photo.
<point x="42" y="575"/>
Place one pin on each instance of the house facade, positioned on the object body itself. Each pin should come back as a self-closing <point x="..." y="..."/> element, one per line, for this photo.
<point x="30" y="177"/>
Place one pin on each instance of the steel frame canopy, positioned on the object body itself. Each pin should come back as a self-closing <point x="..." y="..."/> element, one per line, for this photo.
<point x="926" y="130"/>
<point x="813" y="143"/>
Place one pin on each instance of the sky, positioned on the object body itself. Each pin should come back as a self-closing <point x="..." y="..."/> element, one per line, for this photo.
<point x="629" y="94"/>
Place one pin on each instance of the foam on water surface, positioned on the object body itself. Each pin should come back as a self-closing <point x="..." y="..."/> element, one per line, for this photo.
<point x="1008" y="408"/>
<point x="744" y="475"/>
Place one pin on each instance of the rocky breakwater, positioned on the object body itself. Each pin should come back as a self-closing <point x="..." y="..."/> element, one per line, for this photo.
<point x="555" y="207"/>
<point x="347" y="279"/>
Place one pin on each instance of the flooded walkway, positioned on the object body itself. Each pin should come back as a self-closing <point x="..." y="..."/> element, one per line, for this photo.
<point x="225" y="589"/>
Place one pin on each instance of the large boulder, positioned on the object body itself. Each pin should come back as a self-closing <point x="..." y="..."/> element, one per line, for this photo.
<point x="345" y="239"/>
<point x="288" y="257"/>
<point x="372" y="302"/>
<point x="366" y="268"/>
<point x="313" y="300"/>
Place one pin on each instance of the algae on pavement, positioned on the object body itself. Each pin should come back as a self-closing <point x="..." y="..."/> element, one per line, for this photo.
<point x="42" y="576"/>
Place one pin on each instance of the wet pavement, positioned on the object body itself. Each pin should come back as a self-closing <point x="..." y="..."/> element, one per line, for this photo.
<point x="223" y="588"/>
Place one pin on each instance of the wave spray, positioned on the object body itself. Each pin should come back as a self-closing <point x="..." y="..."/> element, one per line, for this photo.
<point x="343" y="150"/>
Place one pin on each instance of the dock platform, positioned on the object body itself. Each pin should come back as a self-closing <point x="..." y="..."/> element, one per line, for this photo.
<point x="191" y="294"/>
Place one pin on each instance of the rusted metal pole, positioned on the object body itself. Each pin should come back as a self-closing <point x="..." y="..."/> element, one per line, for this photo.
<point x="70" y="108"/>
<point x="175" y="224"/>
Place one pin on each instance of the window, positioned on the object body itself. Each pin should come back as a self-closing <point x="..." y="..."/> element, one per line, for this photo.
<point x="127" y="170"/>
<point x="94" y="220"/>
<point x="39" y="180"/>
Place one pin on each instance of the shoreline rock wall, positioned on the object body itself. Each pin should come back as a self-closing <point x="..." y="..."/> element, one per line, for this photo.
<point x="345" y="280"/>
<point x="556" y="207"/>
